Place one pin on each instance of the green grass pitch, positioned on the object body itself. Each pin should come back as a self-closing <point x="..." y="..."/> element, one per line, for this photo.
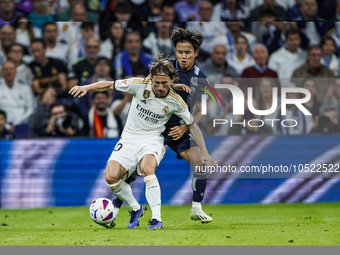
<point x="276" y="224"/>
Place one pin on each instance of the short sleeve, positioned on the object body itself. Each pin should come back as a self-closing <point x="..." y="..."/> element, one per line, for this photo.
<point x="183" y="112"/>
<point x="128" y="85"/>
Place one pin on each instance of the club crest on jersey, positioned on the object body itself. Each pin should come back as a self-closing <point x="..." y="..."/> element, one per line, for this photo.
<point x="194" y="81"/>
<point x="166" y="109"/>
<point x="146" y="94"/>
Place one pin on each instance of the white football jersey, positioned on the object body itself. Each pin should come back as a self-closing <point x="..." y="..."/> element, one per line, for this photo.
<point x="148" y="116"/>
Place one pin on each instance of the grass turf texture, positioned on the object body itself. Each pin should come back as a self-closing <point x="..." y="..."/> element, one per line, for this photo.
<point x="276" y="224"/>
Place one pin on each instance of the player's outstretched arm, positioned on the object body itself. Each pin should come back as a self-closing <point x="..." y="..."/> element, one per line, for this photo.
<point x="80" y="91"/>
<point x="197" y="134"/>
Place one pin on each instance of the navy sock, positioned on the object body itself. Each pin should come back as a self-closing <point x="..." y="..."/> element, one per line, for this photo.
<point x="117" y="202"/>
<point x="198" y="186"/>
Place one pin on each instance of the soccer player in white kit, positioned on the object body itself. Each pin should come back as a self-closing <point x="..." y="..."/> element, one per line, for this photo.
<point x="141" y="142"/>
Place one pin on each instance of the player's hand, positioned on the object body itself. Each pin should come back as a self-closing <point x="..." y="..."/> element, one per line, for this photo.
<point x="211" y="161"/>
<point x="180" y="86"/>
<point x="177" y="131"/>
<point x="78" y="91"/>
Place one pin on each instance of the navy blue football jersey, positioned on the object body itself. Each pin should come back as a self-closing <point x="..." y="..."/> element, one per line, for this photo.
<point x="193" y="78"/>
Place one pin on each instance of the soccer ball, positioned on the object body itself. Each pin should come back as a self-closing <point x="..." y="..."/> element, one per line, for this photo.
<point x="102" y="211"/>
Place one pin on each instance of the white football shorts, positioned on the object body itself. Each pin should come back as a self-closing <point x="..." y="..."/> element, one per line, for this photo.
<point x="128" y="152"/>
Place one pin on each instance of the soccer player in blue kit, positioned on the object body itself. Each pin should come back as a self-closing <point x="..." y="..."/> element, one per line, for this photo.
<point x="177" y="136"/>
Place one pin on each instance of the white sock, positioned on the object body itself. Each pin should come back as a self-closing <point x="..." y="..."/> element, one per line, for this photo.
<point x="153" y="196"/>
<point x="123" y="191"/>
<point x="196" y="205"/>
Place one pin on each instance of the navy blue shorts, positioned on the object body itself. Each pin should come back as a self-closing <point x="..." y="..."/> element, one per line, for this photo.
<point x="179" y="145"/>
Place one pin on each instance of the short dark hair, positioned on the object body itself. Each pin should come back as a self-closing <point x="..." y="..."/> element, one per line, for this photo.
<point x="56" y="104"/>
<point x="49" y="23"/>
<point x="129" y="32"/>
<point x="86" y="25"/>
<point x="3" y="113"/>
<point x="268" y="12"/>
<point x="327" y="38"/>
<point x="106" y="93"/>
<point x="123" y="7"/>
<point x="184" y="35"/>
<point x="162" y="65"/>
<point x="103" y="58"/>
<point x="17" y="44"/>
<point x="241" y="36"/>
<point x="313" y="47"/>
<point x="35" y="40"/>
<point x="292" y="31"/>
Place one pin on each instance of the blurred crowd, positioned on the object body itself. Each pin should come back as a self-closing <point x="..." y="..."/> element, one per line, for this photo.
<point x="47" y="47"/>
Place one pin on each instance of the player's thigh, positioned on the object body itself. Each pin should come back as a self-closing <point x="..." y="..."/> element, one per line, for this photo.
<point x="193" y="156"/>
<point x="114" y="171"/>
<point x="148" y="165"/>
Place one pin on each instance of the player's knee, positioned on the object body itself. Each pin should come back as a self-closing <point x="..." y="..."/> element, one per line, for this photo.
<point x="110" y="177"/>
<point x="148" y="170"/>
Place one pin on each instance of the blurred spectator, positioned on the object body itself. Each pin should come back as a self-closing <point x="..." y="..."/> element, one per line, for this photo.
<point x="120" y="107"/>
<point x="330" y="110"/>
<point x="83" y="68"/>
<point x="314" y="69"/>
<point x="329" y="58"/>
<point x="305" y="122"/>
<point x="313" y="30"/>
<point x="70" y="32"/>
<point x="39" y="119"/>
<point x="66" y="14"/>
<point x="228" y="10"/>
<point x="48" y="72"/>
<point x="280" y="12"/>
<point x="54" y="120"/>
<point x="160" y="42"/>
<point x="23" y="72"/>
<point x="260" y="69"/>
<point x="16" y="97"/>
<point x="102" y="72"/>
<point x="205" y="11"/>
<point x="218" y="66"/>
<point x="234" y="30"/>
<point x="41" y="14"/>
<point x="8" y="13"/>
<point x="285" y="60"/>
<point x="77" y="47"/>
<point x="100" y="121"/>
<point x="187" y="10"/>
<point x="151" y="12"/>
<point x="210" y="30"/>
<point x="114" y="42"/>
<point x="168" y="12"/>
<point x="294" y="12"/>
<point x="26" y="32"/>
<point x="240" y="60"/>
<point x="6" y="130"/>
<point x="132" y="58"/>
<point x="313" y="106"/>
<point x="7" y="37"/>
<point x="123" y="13"/>
<point x="55" y="48"/>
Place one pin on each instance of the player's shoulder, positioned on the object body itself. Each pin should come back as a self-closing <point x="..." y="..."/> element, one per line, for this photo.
<point x="176" y="99"/>
<point x="199" y="72"/>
